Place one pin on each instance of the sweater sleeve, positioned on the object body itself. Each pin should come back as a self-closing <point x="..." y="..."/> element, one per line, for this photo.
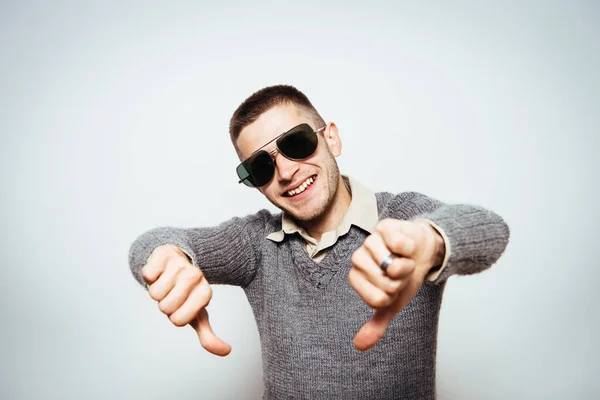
<point x="475" y="237"/>
<point x="226" y="254"/>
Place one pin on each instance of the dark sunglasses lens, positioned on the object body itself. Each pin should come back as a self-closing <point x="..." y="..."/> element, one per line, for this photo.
<point x="257" y="170"/>
<point x="299" y="143"/>
<point x="244" y="174"/>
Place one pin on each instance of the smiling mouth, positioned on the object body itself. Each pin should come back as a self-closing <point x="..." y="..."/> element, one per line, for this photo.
<point x="302" y="187"/>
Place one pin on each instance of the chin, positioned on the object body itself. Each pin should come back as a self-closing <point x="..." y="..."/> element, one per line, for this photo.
<point x="307" y="212"/>
<point x="304" y="217"/>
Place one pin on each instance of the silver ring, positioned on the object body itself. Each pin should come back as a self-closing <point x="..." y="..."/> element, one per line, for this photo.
<point x="386" y="262"/>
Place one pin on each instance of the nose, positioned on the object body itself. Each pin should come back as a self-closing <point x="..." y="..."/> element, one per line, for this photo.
<point x="285" y="167"/>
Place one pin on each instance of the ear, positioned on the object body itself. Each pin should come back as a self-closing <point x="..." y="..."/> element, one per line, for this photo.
<point x="333" y="140"/>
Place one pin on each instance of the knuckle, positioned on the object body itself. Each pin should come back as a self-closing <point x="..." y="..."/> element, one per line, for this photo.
<point x="380" y="300"/>
<point x="196" y="272"/>
<point x="204" y="296"/>
<point x="402" y="269"/>
<point x="410" y="245"/>
<point x="163" y="307"/>
<point x="397" y="244"/>
<point x="351" y="275"/>
<point x="205" y="300"/>
<point x="370" y="242"/>
<point x="207" y="293"/>
<point x="200" y="302"/>
<point x="160" y="252"/>
<point x="177" y="320"/>
<point x="384" y="224"/>
<point x="181" y="258"/>
<point x="352" y="279"/>
<point x="154" y="293"/>
<point x="388" y="289"/>
<point x="406" y="265"/>
<point x="146" y="274"/>
<point x="355" y="258"/>
<point x="392" y="287"/>
<point x="396" y="241"/>
<point x="190" y="276"/>
<point x="168" y="252"/>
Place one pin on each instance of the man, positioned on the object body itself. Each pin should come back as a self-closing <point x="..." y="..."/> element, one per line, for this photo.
<point x="314" y="273"/>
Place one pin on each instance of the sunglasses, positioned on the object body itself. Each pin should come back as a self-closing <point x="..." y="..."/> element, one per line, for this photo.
<point x="299" y="143"/>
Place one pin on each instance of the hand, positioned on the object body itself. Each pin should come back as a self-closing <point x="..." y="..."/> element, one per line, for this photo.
<point x="182" y="293"/>
<point x="418" y="247"/>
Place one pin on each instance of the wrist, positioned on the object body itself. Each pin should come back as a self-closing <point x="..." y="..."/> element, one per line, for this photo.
<point x="440" y="248"/>
<point x="437" y="245"/>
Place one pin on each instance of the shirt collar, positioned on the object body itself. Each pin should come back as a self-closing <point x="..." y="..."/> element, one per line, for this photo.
<point x="362" y="213"/>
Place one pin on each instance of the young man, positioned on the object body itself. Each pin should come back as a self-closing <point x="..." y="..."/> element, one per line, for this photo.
<point x="340" y="271"/>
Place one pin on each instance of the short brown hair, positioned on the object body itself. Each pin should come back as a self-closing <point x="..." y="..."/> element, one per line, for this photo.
<point x="264" y="100"/>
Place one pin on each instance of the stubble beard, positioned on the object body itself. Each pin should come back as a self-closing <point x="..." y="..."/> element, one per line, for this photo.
<point x="318" y="211"/>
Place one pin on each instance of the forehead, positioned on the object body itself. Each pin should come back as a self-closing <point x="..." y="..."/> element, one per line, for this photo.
<point x="269" y="125"/>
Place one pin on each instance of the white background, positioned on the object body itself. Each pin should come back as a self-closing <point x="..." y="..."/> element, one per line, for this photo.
<point x="114" y="117"/>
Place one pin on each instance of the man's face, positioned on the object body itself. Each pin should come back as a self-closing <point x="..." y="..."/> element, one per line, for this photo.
<point x="318" y="196"/>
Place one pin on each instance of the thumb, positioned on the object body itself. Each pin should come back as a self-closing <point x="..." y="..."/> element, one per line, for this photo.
<point x="373" y="330"/>
<point x="208" y="339"/>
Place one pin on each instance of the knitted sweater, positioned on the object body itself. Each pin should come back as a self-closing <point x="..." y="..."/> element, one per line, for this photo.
<point x="307" y="313"/>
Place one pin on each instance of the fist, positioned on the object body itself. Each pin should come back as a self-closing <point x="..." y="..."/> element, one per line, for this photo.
<point x="182" y="293"/>
<point x="417" y="247"/>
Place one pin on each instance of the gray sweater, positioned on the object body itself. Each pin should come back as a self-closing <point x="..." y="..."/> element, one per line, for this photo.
<point x="307" y="313"/>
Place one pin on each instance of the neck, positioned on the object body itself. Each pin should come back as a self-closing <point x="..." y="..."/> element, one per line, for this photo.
<point x="332" y="217"/>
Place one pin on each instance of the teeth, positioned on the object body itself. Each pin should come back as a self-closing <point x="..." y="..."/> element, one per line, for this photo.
<point x="301" y="188"/>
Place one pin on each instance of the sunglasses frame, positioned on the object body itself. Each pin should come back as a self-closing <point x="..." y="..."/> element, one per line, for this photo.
<point x="273" y="153"/>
